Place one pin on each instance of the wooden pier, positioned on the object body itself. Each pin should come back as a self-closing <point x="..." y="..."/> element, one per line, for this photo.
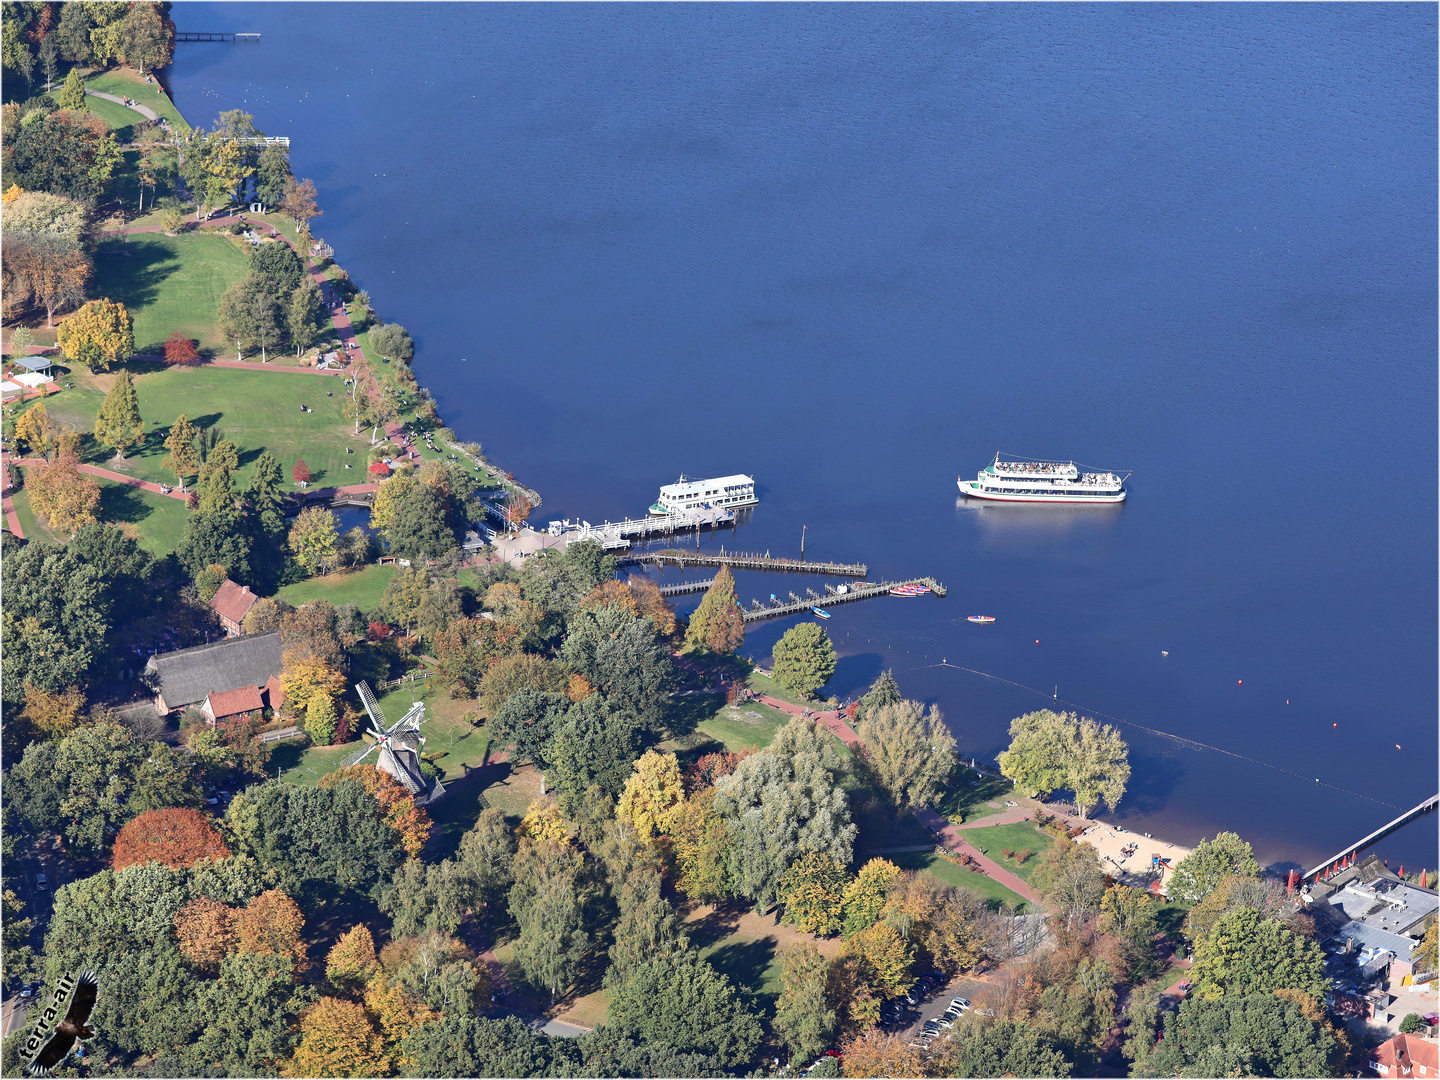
<point x="1379" y="834"/>
<point x="686" y="587"/>
<point x="205" y="35"/>
<point x="619" y="534"/>
<point x="796" y="605"/>
<point x="745" y="561"/>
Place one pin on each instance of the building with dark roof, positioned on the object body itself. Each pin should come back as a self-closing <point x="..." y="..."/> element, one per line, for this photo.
<point x="187" y="677"/>
<point x="232" y="603"/>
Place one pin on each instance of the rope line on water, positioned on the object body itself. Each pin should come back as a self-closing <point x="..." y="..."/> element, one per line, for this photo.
<point x="1157" y="732"/>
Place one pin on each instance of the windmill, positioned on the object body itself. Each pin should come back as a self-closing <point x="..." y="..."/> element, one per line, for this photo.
<point x="399" y="745"/>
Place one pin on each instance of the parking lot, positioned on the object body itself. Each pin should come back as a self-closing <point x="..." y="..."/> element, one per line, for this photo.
<point x="910" y="1021"/>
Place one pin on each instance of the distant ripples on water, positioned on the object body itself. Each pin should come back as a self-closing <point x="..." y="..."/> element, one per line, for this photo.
<point x="857" y="249"/>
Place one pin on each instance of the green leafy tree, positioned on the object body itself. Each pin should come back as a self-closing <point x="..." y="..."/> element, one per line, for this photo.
<point x="487" y="857"/>
<point x="909" y="749"/>
<point x="597" y="744"/>
<point x="18" y="957"/>
<point x="250" y="1014"/>
<point x="804" y="659"/>
<point x="647" y="928"/>
<point x="1246" y="1035"/>
<point x="216" y="536"/>
<point x="99" y="335"/>
<point x="546" y="905"/>
<point x="271" y="174"/>
<point x="303" y="315"/>
<point x="683" y="1003"/>
<point x="278" y="268"/>
<point x="392" y="342"/>
<point x="783" y="802"/>
<point x="1010" y="1048"/>
<point x="265" y="498"/>
<point x="704" y="849"/>
<point x="803" y="1016"/>
<point x="1245" y="954"/>
<point x="72" y="94"/>
<point x="1129" y="915"/>
<point x="461" y="1045"/>
<point x="249" y="312"/>
<point x="1049" y="751"/>
<point x="622" y="656"/>
<point x="183" y="458"/>
<point x="1236" y="892"/>
<point x="885" y="691"/>
<point x="314" y="540"/>
<point x="118" y="424"/>
<point x="413" y="518"/>
<point x="864" y="898"/>
<point x="529" y="721"/>
<point x="53" y="623"/>
<point x="1199" y="873"/>
<point x="717" y="624"/>
<point x="147" y="43"/>
<point x="320" y="720"/>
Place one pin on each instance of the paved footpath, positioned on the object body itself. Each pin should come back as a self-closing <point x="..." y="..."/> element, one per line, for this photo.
<point x="949" y="835"/>
<point x="143" y="110"/>
<point x="12" y="519"/>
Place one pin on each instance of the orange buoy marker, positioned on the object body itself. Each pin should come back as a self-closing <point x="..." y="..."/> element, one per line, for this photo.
<point x="1037" y="641"/>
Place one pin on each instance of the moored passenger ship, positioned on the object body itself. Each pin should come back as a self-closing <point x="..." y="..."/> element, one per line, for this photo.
<point x="725" y="493"/>
<point x="1044" y="481"/>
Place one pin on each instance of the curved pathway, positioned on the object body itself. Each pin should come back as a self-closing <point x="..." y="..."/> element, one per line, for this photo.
<point x="119" y="478"/>
<point x="144" y="111"/>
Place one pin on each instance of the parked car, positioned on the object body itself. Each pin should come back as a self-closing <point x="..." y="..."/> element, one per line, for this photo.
<point x="212" y="801"/>
<point x="960" y="1003"/>
<point x="41" y="881"/>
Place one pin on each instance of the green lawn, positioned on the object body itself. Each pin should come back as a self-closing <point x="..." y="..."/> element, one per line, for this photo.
<point x="970" y="793"/>
<point x="763" y="684"/>
<point x="124" y="82"/>
<point x="29" y="522"/>
<point x="160" y="519"/>
<point x="171" y="284"/>
<point x="950" y="874"/>
<point x="117" y="116"/>
<point x="736" y="729"/>
<point x="362" y="588"/>
<point x="1018" y="836"/>
<point x="256" y="410"/>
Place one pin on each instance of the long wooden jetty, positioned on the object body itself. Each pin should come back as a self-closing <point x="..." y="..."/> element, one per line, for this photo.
<point x="206" y="35"/>
<point x="745" y="561"/>
<point x="683" y="587"/>
<point x="1379" y="834"/>
<point x="795" y="605"/>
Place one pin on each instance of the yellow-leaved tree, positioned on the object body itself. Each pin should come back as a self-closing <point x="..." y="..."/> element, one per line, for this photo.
<point x="64" y="496"/>
<point x="99" y="335"/>
<point x="351" y="962"/>
<point x="338" y="1038"/>
<point x="653" y="795"/>
<point x="543" y="821"/>
<point x="303" y="676"/>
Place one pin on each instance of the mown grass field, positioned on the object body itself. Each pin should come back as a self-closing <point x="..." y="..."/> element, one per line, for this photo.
<point x="171" y="284"/>
<point x="969" y="794"/>
<point x="160" y="520"/>
<point x="256" y="410"/>
<point x="950" y="874"/>
<point x="1018" y="836"/>
<point x="363" y="588"/>
<point x="127" y="82"/>
<point x="120" y="119"/>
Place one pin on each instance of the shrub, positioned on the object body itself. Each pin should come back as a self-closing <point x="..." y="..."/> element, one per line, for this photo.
<point x="1022" y="856"/>
<point x="1007" y="853"/>
<point x="1412" y="1024"/>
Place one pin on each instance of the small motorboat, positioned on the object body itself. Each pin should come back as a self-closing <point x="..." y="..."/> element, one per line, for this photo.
<point x="906" y="590"/>
<point x="980" y="618"/>
<point x="820" y="612"/>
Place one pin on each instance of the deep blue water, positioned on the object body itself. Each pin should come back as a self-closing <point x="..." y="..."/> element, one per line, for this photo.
<point x="855" y="250"/>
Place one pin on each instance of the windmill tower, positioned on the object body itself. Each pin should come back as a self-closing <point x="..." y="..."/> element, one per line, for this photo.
<point x="399" y="745"/>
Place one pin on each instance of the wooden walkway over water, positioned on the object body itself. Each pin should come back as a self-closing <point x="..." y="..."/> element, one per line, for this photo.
<point x="745" y="561"/>
<point x="796" y="605"/>
<point x="207" y="35"/>
<point x="1379" y="834"/>
<point x="684" y="587"/>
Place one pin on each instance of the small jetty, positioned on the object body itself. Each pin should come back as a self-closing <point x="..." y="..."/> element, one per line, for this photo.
<point x="746" y="561"/>
<point x="795" y="605"/>
<point x="612" y="535"/>
<point x="208" y="35"/>
<point x="684" y="587"/>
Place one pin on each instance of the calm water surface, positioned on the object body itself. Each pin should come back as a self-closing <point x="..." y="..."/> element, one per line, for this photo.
<point x="855" y="250"/>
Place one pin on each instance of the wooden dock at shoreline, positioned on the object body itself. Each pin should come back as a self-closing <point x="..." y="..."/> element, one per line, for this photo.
<point x="745" y="561"/>
<point x="686" y="587"/>
<point x="796" y="605"/>
<point x="207" y="35"/>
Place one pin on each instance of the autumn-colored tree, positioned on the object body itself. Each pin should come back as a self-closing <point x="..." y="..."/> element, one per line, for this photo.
<point x="812" y="890"/>
<point x="64" y="496"/>
<point x="99" y="335"/>
<point x="181" y="351"/>
<point x="653" y="795"/>
<point x="525" y="671"/>
<point x="543" y="821"/>
<point x="517" y="509"/>
<point x="865" y="896"/>
<point x="351" y="962"/>
<point x="118" y="424"/>
<point x="305" y="675"/>
<point x="177" y="837"/>
<point x="856" y="1007"/>
<point x="708" y="768"/>
<point x="272" y="925"/>
<point x="397" y="805"/>
<point x="464" y="650"/>
<point x="36" y="430"/>
<point x="703" y="842"/>
<point x="338" y="1038"/>
<point x="299" y="201"/>
<point x="938" y="920"/>
<point x="52" y="716"/>
<point x="717" y="623"/>
<point x="205" y="930"/>
<point x="184" y="457"/>
<point x="637" y="595"/>
<point x="883" y="957"/>
<point x="301" y="472"/>
<point x="393" y="1011"/>
<point x="874" y="1053"/>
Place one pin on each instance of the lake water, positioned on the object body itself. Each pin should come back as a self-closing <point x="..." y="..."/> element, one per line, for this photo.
<point x="856" y="250"/>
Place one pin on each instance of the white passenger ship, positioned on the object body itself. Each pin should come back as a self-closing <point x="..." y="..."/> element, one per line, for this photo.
<point x="726" y="493"/>
<point x="1043" y="481"/>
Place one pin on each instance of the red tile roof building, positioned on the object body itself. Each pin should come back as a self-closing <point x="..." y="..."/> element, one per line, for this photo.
<point x="227" y="703"/>
<point x="1405" y="1056"/>
<point x="232" y="603"/>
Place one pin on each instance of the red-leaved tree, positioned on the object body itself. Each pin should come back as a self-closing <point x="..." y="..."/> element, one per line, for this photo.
<point x="175" y="837"/>
<point x="301" y="472"/>
<point x="181" y="350"/>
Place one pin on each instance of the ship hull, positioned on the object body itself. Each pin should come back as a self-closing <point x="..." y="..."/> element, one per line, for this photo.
<point x="973" y="489"/>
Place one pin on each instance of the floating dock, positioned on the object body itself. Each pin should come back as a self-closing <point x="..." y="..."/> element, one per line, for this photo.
<point x="795" y="605"/>
<point x="746" y="561"/>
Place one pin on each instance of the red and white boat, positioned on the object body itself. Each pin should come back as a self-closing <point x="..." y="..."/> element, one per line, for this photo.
<point x="980" y="618"/>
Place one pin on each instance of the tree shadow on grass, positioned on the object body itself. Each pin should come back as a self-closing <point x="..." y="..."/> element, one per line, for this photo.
<point x="685" y="713"/>
<point x="719" y="924"/>
<point x="287" y="754"/>
<point x="121" y="503"/>
<point x="133" y="274"/>
<point x="745" y="962"/>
